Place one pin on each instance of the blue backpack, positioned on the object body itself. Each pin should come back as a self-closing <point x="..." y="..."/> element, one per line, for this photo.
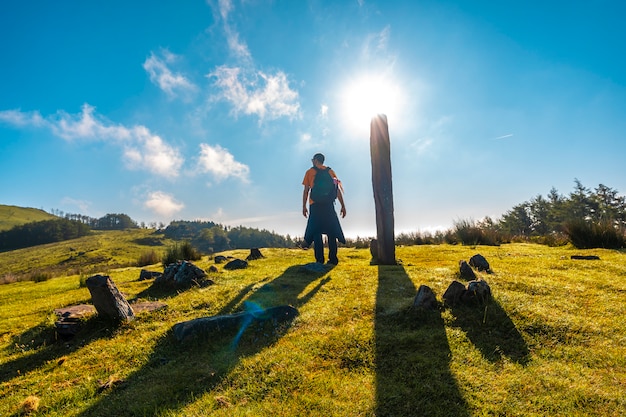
<point x="324" y="188"/>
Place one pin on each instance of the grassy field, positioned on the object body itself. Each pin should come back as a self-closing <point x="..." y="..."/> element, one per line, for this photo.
<point x="11" y="216"/>
<point x="96" y="253"/>
<point x="552" y="342"/>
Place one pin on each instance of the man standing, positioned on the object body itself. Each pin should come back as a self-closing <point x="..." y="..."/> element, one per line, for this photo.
<point x="321" y="188"/>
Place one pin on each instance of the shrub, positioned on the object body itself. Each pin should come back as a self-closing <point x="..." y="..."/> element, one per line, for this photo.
<point x="469" y="233"/>
<point x="587" y="235"/>
<point x="183" y="251"/>
<point x="40" y="276"/>
<point x="148" y="258"/>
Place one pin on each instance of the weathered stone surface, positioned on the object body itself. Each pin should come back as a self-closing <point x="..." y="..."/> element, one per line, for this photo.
<point x="480" y="263"/>
<point x="145" y="274"/>
<point x="453" y="294"/>
<point x="213" y="269"/>
<point x="425" y="298"/>
<point x="586" y="257"/>
<point x="236" y="264"/>
<point x="220" y="259"/>
<point x="182" y="274"/>
<point x="212" y="326"/>
<point x="70" y="318"/>
<point x="107" y="299"/>
<point x="255" y="254"/>
<point x="374" y="250"/>
<point x="380" y="151"/>
<point x="466" y="271"/>
<point x="478" y="290"/>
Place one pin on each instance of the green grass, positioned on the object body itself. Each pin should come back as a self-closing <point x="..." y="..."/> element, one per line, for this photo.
<point x="551" y="343"/>
<point x="97" y="253"/>
<point x="11" y="216"/>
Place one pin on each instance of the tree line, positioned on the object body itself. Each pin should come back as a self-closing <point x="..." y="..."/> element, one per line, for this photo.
<point x="211" y="237"/>
<point x="586" y="218"/>
<point x="41" y="232"/>
<point x="56" y="230"/>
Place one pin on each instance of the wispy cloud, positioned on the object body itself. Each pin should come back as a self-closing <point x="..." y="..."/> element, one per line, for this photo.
<point x="163" y="204"/>
<point x="249" y="90"/>
<point x="503" y="136"/>
<point x="22" y="119"/>
<point x="81" y="204"/>
<point x="173" y="84"/>
<point x="221" y="163"/>
<point x="142" y="149"/>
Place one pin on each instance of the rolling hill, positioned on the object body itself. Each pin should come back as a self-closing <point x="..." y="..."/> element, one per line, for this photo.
<point x="11" y="216"/>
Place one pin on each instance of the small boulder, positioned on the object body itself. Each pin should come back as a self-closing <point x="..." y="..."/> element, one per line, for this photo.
<point x="145" y="274"/>
<point x="454" y="293"/>
<point x="425" y="298"/>
<point x="236" y="264"/>
<point x="220" y="259"/>
<point x="478" y="290"/>
<point x="182" y="274"/>
<point x="466" y="271"/>
<point x="480" y="263"/>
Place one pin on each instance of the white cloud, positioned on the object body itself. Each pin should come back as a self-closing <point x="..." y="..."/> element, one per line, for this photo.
<point x="221" y="163"/>
<point x="249" y="90"/>
<point x="266" y="96"/>
<point x="324" y="111"/>
<point x="173" y="84"/>
<point x="21" y="119"/>
<point x="163" y="204"/>
<point x="141" y="148"/>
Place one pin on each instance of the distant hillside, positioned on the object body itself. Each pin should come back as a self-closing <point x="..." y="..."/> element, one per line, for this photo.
<point x="11" y="216"/>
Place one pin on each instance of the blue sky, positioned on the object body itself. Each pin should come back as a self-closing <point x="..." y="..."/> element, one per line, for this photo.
<point x="212" y="109"/>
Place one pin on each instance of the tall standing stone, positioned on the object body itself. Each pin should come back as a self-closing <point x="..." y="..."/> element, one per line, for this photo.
<point x="380" y="150"/>
<point x="108" y="300"/>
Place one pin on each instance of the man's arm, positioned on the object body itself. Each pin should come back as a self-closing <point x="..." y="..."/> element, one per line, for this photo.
<point x="305" y="198"/>
<point x="343" y="206"/>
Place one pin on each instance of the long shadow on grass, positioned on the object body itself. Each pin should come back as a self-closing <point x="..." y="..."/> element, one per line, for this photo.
<point x="177" y="374"/>
<point x="413" y="376"/>
<point x="45" y="347"/>
<point x="492" y="331"/>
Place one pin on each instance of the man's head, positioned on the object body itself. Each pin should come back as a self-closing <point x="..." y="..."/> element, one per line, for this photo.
<point x="319" y="158"/>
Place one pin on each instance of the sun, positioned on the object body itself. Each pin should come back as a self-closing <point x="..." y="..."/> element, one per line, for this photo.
<point x="368" y="95"/>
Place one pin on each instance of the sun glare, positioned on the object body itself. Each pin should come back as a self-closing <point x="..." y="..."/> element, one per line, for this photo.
<point x="367" y="96"/>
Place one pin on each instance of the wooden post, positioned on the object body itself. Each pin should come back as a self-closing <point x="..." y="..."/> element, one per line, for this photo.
<point x="380" y="150"/>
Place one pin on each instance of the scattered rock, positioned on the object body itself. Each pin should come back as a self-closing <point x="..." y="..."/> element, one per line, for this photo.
<point x="145" y="274"/>
<point x="374" y="250"/>
<point x="478" y="290"/>
<point x="70" y="319"/>
<point x="425" y="298"/>
<point x="255" y="254"/>
<point x="213" y="269"/>
<point x="182" y="274"/>
<point x="108" y="300"/>
<point x="211" y="326"/>
<point x="475" y="291"/>
<point x="480" y="263"/>
<point x="466" y="271"/>
<point x="220" y="259"/>
<point x="586" y="257"/>
<point x="236" y="264"/>
<point x="453" y="294"/>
